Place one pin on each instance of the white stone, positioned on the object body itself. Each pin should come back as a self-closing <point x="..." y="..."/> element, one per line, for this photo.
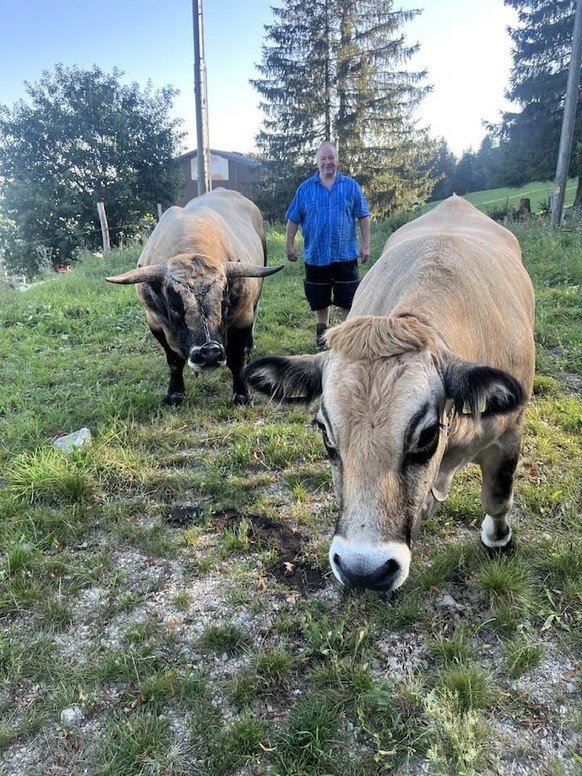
<point x="74" y="441"/>
<point x="72" y="716"/>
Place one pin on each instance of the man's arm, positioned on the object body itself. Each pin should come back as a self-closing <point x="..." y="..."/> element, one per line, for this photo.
<point x="365" y="246"/>
<point x="292" y="228"/>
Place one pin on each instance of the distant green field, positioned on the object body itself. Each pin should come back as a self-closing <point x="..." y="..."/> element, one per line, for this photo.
<point x="538" y="193"/>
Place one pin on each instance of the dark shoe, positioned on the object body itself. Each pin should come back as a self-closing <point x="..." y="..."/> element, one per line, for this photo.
<point x="320" y="336"/>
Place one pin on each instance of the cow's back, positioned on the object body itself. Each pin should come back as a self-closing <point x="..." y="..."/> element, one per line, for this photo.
<point x="222" y="224"/>
<point x="457" y="270"/>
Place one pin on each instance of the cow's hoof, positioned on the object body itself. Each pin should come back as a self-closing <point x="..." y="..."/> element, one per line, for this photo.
<point x="240" y="399"/>
<point x="174" y="399"/>
<point x="497" y="551"/>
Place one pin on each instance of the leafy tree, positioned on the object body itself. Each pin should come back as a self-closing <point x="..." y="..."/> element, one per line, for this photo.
<point x="530" y="136"/>
<point x="334" y="69"/>
<point x="83" y="138"/>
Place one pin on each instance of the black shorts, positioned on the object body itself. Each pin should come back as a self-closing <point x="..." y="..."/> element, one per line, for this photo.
<point x="331" y="284"/>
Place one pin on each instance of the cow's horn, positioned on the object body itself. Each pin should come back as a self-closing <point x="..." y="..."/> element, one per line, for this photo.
<point x="152" y="274"/>
<point x="236" y="269"/>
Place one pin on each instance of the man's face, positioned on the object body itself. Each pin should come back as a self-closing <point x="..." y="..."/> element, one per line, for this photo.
<point x="327" y="161"/>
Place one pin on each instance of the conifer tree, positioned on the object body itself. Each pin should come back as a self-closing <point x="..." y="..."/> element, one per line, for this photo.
<point x="336" y="69"/>
<point x="530" y="135"/>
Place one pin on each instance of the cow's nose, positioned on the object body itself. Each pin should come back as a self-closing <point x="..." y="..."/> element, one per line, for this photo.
<point x="382" y="566"/>
<point x="209" y="354"/>
<point x="381" y="578"/>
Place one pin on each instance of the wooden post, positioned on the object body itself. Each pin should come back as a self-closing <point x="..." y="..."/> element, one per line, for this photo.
<point x="104" y="227"/>
<point x="159" y="211"/>
<point x="568" y="121"/>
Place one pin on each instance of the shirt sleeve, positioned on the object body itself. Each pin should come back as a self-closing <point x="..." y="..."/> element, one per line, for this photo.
<point x="361" y="209"/>
<point x="293" y="212"/>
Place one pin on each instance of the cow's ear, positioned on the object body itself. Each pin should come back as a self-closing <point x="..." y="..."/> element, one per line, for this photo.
<point x="296" y="378"/>
<point x="479" y="390"/>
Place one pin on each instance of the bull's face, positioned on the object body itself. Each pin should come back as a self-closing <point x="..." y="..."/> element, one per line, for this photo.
<point x="193" y="315"/>
<point x="190" y="301"/>
<point x="387" y="398"/>
<point x="384" y="427"/>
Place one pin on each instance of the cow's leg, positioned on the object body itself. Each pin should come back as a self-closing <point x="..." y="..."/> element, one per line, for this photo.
<point x="176" y="389"/>
<point x="237" y="343"/>
<point x="498" y="464"/>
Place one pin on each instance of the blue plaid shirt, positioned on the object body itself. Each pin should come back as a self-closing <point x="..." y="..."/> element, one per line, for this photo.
<point x="328" y="218"/>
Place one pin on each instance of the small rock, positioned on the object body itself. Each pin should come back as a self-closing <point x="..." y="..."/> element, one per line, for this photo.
<point x="446" y="601"/>
<point x="72" y="716"/>
<point x="74" y="441"/>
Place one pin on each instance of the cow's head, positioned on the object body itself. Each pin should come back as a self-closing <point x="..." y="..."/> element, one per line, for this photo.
<point x="190" y="300"/>
<point x="388" y="394"/>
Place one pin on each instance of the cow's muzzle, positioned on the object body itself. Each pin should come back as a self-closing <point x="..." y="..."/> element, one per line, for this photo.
<point x="371" y="567"/>
<point x="207" y="355"/>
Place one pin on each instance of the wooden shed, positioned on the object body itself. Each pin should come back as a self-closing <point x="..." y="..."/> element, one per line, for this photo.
<point x="228" y="169"/>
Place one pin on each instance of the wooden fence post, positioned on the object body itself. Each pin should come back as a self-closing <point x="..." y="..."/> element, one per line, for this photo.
<point x="159" y="211"/>
<point x="104" y="227"/>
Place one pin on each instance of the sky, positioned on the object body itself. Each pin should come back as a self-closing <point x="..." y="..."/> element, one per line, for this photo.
<point x="464" y="46"/>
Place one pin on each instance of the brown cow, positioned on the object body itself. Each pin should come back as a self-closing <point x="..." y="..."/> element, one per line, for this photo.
<point x="431" y="370"/>
<point x="199" y="278"/>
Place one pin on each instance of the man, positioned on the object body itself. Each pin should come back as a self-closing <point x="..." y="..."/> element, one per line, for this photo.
<point x="326" y="207"/>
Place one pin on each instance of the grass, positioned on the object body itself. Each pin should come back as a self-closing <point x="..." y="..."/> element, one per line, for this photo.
<point x="508" y="198"/>
<point x="193" y="643"/>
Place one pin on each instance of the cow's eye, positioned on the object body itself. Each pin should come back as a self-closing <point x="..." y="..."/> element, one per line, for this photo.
<point x="428" y="437"/>
<point x="425" y="447"/>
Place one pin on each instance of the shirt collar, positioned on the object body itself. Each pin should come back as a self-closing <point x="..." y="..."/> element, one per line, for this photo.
<point x="338" y="179"/>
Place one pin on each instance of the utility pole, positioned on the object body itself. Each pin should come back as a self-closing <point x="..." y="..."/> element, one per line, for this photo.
<point x="203" y="152"/>
<point x="568" y="119"/>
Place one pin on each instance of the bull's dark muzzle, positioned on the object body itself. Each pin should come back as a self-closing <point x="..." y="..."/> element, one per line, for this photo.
<point x="209" y="354"/>
<point x="381" y="578"/>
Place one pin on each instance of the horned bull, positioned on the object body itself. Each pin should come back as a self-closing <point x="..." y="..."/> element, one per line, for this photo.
<point x="431" y="370"/>
<point x="199" y="278"/>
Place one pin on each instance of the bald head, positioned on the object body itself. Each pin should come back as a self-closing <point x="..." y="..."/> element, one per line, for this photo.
<point x="327" y="162"/>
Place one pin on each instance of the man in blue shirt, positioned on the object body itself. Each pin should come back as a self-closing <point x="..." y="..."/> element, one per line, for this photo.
<point x="326" y="207"/>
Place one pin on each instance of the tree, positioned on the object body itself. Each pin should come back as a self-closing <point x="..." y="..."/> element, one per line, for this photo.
<point x="83" y="138"/>
<point x="442" y="165"/>
<point x="529" y="137"/>
<point x="335" y="69"/>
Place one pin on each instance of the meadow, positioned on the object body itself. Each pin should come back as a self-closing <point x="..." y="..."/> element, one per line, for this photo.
<point x="166" y="605"/>
<point x="538" y="193"/>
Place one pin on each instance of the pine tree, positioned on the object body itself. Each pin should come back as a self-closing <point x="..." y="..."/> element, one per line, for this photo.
<point x="335" y="69"/>
<point x="542" y="46"/>
<point x="443" y="165"/>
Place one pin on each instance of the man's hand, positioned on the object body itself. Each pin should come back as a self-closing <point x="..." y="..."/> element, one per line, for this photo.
<point x="364" y="253"/>
<point x="291" y="253"/>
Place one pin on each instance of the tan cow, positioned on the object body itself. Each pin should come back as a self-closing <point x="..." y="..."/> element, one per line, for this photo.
<point x="199" y="278"/>
<point x="431" y="370"/>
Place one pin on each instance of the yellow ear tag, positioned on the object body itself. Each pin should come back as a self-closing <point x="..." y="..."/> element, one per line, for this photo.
<point x="482" y="407"/>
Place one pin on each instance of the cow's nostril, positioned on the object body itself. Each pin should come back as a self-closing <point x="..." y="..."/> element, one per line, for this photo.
<point x="381" y="578"/>
<point x="209" y="354"/>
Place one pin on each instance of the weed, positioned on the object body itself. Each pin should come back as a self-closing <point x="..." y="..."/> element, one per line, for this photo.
<point x="521" y="655"/>
<point x="224" y="638"/>
<point x="468" y="686"/>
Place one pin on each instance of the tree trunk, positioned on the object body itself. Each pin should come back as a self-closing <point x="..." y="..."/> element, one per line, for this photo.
<point x="578" y="195"/>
